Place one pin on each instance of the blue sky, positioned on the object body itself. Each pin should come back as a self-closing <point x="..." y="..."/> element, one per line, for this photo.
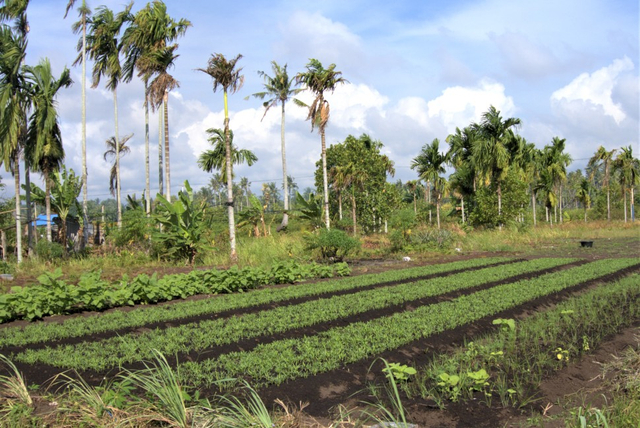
<point x="417" y="70"/>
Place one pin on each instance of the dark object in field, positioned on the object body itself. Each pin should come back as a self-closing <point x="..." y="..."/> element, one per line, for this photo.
<point x="587" y="244"/>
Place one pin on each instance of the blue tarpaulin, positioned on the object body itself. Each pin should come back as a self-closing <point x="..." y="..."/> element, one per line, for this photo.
<point x="41" y="220"/>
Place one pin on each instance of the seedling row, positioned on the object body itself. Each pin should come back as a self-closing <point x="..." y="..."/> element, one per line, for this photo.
<point x="207" y="334"/>
<point x="181" y="310"/>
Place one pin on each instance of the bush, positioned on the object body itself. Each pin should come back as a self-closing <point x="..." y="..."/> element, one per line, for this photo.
<point x="333" y="244"/>
<point x="49" y="251"/>
<point x="432" y="238"/>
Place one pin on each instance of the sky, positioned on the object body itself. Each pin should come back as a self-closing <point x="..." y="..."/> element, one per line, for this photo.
<point x="416" y="71"/>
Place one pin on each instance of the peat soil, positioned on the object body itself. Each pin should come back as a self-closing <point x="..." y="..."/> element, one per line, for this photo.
<point x="348" y="385"/>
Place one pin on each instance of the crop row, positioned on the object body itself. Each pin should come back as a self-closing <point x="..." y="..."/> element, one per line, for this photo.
<point x="516" y="360"/>
<point x="279" y="361"/>
<point x="206" y="334"/>
<point x="55" y="296"/>
<point x="117" y="320"/>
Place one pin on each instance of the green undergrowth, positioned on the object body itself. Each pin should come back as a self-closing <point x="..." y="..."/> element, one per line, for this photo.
<point x="75" y="327"/>
<point x="283" y="360"/>
<point x="206" y="334"/>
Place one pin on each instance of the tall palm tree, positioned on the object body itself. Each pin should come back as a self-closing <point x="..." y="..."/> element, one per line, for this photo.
<point x="116" y="148"/>
<point x="104" y="49"/>
<point x="84" y="12"/>
<point x="149" y="29"/>
<point x="490" y="154"/>
<point x="215" y="159"/>
<point x="14" y="103"/>
<point x="226" y="76"/>
<point x="244" y="185"/>
<point x="412" y="185"/>
<point x="319" y="80"/>
<point x="430" y="164"/>
<point x="628" y="169"/>
<point x="158" y="62"/>
<point x="602" y="159"/>
<point x="583" y="195"/>
<point x="278" y="90"/>
<point x="556" y="162"/>
<point x="44" y="140"/>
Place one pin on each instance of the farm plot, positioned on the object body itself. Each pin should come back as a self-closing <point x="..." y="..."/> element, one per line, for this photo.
<point x="272" y="336"/>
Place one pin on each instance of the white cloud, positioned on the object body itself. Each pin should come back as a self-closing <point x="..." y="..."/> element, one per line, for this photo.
<point x="458" y="106"/>
<point x="594" y="90"/>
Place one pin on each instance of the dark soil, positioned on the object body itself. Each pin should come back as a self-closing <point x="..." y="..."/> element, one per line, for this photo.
<point x="348" y="385"/>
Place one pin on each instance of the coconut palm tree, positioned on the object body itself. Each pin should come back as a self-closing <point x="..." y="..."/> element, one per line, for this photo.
<point x="226" y="76"/>
<point x="491" y="155"/>
<point x="319" y="80"/>
<point x="14" y="103"/>
<point x="103" y="47"/>
<point x="149" y="29"/>
<point x="215" y="160"/>
<point x="116" y="148"/>
<point x="84" y="12"/>
<point x="628" y="169"/>
<point x="44" y="140"/>
<point x="602" y="159"/>
<point x="430" y="164"/>
<point x="278" y="90"/>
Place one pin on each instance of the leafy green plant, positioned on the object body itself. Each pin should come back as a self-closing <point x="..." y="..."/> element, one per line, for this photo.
<point x="332" y="244"/>
<point x="183" y="229"/>
<point x="49" y="251"/>
<point x="400" y="372"/>
<point x="506" y="324"/>
<point x="450" y="386"/>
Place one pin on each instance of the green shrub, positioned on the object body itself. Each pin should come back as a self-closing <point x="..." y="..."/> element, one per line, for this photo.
<point x="49" y="251"/>
<point x="433" y="238"/>
<point x="332" y="244"/>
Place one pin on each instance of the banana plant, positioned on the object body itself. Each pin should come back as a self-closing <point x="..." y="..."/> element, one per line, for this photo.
<point x="183" y="226"/>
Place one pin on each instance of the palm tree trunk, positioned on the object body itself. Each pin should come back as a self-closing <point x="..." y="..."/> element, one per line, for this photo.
<point x="415" y="204"/>
<point x="633" y="216"/>
<point x="438" y="209"/>
<point x="462" y="206"/>
<point x="325" y="183"/>
<point x="27" y="183"/>
<point x="16" y="177"/>
<point x="3" y="242"/>
<point x="608" y="206"/>
<point x="625" y="205"/>
<point x="167" y="167"/>
<point x="160" y="157"/>
<point x="232" y="224"/>
<point x="340" y="205"/>
<point x="117" y="150"/>
<point x="499" y="198"/>
<point x="353" y="213"/>
<point x="560" y="202"/>
<point x="585" y="213"/>
<point x="533" y="205"/>
<point x="85" y="185"/>
<point x="146" y="149"/>
<point x="285" y="217"/>
<point x="47" y="203"/>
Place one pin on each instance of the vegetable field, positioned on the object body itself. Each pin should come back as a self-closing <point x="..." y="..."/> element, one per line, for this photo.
<point x="321" y="341"/>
